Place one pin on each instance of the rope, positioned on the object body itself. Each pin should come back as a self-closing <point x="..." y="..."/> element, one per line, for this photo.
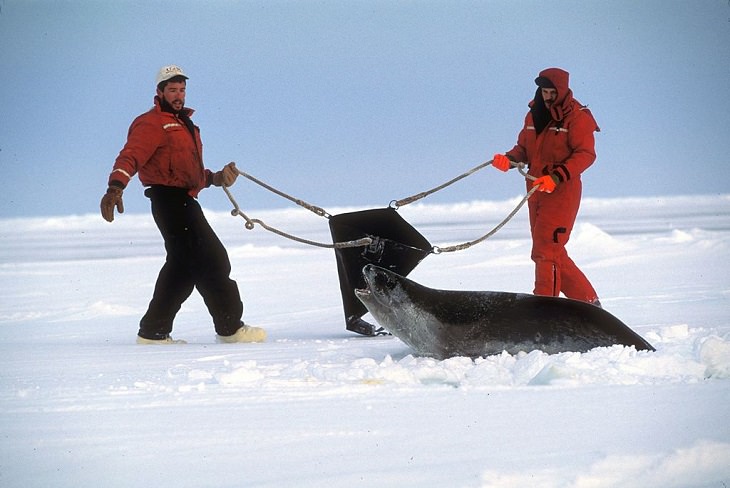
<point x="418" y="196"/>
<point x="251" y="223"/>
<point x="467" y="245"/>
<point x="414" y="198"/>
<point x="366" y="241"/>
<point x="313" y="208"/>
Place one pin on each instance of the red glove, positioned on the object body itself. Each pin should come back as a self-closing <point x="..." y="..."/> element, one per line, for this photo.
<point x="501" y="162"/>
<point x="545" y="183"/>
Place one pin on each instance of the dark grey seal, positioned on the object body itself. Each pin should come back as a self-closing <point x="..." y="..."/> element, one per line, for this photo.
<point x="446" y="323"/>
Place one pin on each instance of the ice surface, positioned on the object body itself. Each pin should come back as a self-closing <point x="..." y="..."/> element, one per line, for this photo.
<point x="82" y="405"/>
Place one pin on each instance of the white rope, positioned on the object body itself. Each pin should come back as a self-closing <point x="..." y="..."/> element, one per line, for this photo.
<point x="366" y="241"/>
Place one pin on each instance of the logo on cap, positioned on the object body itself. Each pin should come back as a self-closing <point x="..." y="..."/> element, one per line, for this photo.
<point x="171" y="71"/>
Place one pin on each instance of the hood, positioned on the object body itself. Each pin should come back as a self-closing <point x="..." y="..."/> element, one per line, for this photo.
<point x="554" y="78"/>
<point x="559" y="79"/>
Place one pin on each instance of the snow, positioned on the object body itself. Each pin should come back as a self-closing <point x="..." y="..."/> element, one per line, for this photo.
<point x="83" y="405"/>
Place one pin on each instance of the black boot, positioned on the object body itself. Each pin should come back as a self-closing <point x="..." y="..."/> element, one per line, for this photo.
<point x="359" y="326"/>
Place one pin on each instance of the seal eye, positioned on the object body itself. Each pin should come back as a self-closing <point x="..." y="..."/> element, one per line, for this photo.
<point x="383" y="281"/>
<point x="391" y="283"/>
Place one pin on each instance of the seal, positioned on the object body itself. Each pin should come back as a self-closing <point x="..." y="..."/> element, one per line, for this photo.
<point x="448" y="323"/>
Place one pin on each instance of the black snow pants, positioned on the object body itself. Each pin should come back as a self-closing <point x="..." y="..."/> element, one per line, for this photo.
<point x="196" y="258"/>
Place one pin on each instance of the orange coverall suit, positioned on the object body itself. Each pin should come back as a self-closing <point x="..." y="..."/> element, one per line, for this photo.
<point x="564" y="149"/>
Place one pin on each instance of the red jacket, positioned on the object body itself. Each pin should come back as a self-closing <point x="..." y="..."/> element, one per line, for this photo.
<point x="565" y="147"/>
<point x="163" y="151"/>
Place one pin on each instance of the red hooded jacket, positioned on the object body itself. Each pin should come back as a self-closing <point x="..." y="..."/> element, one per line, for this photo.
<point x="163" y="151"/>
<point x="565" y="147"/>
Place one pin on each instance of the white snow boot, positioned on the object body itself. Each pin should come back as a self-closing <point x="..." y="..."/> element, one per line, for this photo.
<point x="245" y="334"/>
<point x="166" y="340"/>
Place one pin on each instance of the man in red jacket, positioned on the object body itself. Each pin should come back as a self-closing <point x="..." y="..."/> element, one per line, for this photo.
<point x="164" y="147"/>
<point x="557" y="143"/>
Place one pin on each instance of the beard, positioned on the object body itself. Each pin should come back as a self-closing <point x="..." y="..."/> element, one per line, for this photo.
<point x="173" y="107"/>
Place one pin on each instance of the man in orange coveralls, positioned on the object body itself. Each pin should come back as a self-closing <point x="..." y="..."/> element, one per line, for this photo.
<point x="164" y="147"/>
<point x="557" y="144"/>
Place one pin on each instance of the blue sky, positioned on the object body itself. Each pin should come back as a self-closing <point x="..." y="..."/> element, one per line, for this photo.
<point x="360" y="102"/>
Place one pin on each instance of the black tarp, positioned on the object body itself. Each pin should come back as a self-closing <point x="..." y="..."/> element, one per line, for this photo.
<point x="396" y="246"/>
